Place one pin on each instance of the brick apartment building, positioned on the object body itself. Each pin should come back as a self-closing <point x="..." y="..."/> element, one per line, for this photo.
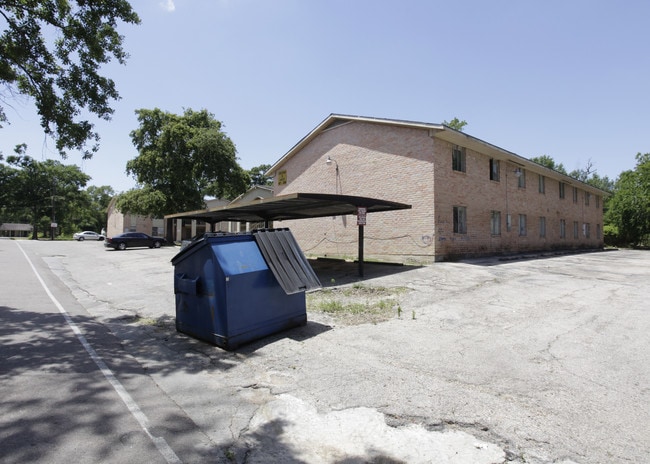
<point x="468" y="197"/>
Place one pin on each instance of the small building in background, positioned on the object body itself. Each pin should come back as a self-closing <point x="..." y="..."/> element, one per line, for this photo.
<point x="118" y="223"/>
<point x="13" y="230"/>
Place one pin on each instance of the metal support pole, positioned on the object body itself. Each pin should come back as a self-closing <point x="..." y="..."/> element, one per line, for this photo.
<point x="360" y="250"/>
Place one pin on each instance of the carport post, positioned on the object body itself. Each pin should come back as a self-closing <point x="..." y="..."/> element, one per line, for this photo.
<point x="360" y="250"/>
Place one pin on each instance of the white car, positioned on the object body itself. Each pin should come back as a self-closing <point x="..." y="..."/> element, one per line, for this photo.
<point x="87" y="235"/>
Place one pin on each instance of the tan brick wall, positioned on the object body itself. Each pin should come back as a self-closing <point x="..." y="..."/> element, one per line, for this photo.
<point x="407" y="165"/>
<point x="384" y="162"/>
<point x="480" y="195"/>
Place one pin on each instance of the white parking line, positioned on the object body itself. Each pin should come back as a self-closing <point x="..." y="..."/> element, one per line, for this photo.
<point x="136" y="412"/>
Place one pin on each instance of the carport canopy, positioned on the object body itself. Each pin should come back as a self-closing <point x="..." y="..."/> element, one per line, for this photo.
<point x="291" y="206"/>
<point x="295" y="206"/>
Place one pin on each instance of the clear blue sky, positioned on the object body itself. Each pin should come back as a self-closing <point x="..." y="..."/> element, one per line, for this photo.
<point x="563" y="78"/>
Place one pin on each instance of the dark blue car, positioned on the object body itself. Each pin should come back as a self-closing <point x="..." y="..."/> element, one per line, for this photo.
<point x="133" y="239"/>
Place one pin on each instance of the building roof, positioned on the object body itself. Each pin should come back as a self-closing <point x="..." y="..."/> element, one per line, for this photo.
<point x="291" y="206"/>
<point x="442" y="132"/>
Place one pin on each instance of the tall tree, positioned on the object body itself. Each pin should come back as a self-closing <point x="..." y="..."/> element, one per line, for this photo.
<point x="52" y="51"/>
<point x="181" y="159"/>
<point x="257" y="175"/>
<point x="44" y="191"/>
<point x="629" y="208"/>
<point x="456" y="124"/>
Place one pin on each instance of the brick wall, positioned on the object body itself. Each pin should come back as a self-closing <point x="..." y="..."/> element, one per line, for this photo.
<point x="408" y="165"/>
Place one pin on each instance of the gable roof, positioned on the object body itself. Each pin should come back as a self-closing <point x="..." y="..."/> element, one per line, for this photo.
<point x="442" y="132"/>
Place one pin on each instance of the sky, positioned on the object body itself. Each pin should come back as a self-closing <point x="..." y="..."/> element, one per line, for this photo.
<point x="562" y="78"/>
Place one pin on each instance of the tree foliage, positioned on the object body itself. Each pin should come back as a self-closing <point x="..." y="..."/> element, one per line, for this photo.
<point x="41" y="192"/>
<point x="549" y="162"/>
<point x="181" y="159"/>
<point x="257" y="176"/>
<point x="629" y="208"/>
<point x="52" y="51"/>
<point x="456" y="124"/>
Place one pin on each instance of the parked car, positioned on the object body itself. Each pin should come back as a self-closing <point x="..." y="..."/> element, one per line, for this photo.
<point x="133" y="239"/>
<point x="87" y="235"/>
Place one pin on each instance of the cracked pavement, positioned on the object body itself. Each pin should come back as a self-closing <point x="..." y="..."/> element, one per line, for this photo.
<point x="541" y="360"/>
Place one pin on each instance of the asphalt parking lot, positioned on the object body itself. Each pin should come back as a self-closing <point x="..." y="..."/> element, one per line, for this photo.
<point x="542" y="360"/>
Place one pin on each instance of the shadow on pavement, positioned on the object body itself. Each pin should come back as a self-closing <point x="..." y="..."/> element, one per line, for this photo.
<point x="334" y="272"/>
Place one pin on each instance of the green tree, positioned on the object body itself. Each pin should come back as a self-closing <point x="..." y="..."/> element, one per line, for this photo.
<point x="90" y="208"/>
<point x="456" y="124"/>
<point x="549" y="162"/>
<point x="42" y="192"/>
<point x="52" y="52"/>
<point x="181" y="159"/>
<point x="257" y="175"/>
<point x="629" y="207"/>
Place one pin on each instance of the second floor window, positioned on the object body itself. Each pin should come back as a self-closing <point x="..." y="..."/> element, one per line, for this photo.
<point x="521" y="179"/>
<point x="542" y="184"/>
<point x="458" y="159"/>
<point x="562" y="184"/>
<point x="494" y="169"/>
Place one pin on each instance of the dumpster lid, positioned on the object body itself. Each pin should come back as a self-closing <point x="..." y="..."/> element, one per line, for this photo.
<point x="286" y="260"/>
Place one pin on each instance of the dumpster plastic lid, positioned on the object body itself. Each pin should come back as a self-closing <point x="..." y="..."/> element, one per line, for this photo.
<point x="286" y="260"/>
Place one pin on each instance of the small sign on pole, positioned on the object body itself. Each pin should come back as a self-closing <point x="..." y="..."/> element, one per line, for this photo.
<point x="361" y="215"/>
<point x="53" y="225"/>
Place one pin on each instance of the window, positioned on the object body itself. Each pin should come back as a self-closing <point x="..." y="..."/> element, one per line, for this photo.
<point x="562" y="184"/>
<point x="542" y="184"/>
<point x="460" y="220"/>
<point x="542" y="227"/>
<point x="586" y="230"/>
<point x="598" y="231"/>
<point x="521" y="178"/>
<point x="562" y="228"/>
<point x="575" y="194"/>
<point x="508" y="222"/>
<point x="575" y="229"/>
<point x="495" y="223"/>
<point x="522" y="225"/>
<point x="458" y="159"/>
<point x="587" y="197"/>
<point x="494" y="170"/>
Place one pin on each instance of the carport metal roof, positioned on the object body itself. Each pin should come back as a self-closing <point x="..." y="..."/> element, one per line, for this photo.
<point x="295" y="206"/>
<point x="291" y="206"/>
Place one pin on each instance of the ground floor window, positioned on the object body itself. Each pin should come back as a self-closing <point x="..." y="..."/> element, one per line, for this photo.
<point x="460" y="220"/>
<point x="562" y="228"/>
<point x="598" y="231"/>
<point x="586" y="229"/>
<point x="522" y="225"/>
<point x="542" y="226"/>
<point x="495" y="223"/>
<point x="575" y="229"/>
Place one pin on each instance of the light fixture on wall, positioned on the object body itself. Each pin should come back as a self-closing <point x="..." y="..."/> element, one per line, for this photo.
<point x="329" y="161"/>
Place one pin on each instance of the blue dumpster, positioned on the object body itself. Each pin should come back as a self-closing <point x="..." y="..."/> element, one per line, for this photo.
<point x="232" y="289"/>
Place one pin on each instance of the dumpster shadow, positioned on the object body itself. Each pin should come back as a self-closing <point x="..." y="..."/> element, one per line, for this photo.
<point x="334" y="272"/>
<point x="298" y="334"/>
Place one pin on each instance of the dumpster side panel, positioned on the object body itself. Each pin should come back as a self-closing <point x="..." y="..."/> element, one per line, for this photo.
<point x="258" y="307"/>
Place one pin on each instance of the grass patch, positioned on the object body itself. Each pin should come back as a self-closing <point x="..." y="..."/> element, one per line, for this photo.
<point x="357" y="304"/>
